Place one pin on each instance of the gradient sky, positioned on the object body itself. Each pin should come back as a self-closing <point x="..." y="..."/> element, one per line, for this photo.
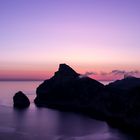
<point x="89" y="35"/>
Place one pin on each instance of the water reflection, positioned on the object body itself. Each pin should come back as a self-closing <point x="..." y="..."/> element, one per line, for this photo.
<point x="47" y="124"/>
<point x="43" y="123"/>
<point x="77" y="125"/>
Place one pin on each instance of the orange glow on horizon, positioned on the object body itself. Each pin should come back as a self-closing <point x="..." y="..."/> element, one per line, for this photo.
<point x="25" y="74"/>
<point x="47" y="70"/>
<point x="48" y="73"/>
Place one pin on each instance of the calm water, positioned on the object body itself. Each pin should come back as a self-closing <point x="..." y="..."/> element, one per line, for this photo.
<point x="47" y="124"/>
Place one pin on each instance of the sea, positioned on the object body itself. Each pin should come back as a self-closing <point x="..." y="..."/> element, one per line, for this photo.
<point x="36" y="123"/>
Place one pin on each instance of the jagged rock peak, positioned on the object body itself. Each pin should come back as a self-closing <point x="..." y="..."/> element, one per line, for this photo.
<point x="65" y="70"/>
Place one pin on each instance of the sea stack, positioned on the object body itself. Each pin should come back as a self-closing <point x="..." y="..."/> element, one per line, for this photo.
<point x="21" y="100"/>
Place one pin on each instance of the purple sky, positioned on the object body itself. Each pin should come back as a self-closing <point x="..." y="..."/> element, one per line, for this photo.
<point x="90" y="35"/>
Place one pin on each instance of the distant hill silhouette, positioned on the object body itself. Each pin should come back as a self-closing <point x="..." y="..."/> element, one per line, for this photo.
<point x="126" y="83"/>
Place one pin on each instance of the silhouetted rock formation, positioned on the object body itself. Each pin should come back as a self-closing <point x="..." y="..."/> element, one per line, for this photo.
<point x="21" y="100"/>
<point x="125" y="103"/>
<point x="65" y="90"/>
<point x="125" y="84"/>
<point x="118" y="103"/>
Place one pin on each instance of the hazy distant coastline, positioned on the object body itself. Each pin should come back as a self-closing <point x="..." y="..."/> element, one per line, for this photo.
<point x="21" y="79"/>
<point x="105" y="82"/>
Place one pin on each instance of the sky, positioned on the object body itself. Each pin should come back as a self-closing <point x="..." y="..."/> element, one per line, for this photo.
<point x="96" y="36"/>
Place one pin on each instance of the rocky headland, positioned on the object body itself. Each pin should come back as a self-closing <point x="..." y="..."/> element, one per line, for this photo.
<point x="117" y="103"/>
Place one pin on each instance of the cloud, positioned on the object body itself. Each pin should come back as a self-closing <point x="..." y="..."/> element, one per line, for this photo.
<point x="134" y="72"/>
<point x="125" y="73"/>
<point x="118" y="72"/>
<point x="113" y="72"/>
<point x="103" y="73"/>
<point x="87" y="74"/>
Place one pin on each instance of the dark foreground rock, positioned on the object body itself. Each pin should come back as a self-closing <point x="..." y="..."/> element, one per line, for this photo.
<point x="127" y="83"/>
<point x="125" y="104"/>
<point x="67" y="91"/>
<point x="21" y="100"/>
<point x="117" y="103"/>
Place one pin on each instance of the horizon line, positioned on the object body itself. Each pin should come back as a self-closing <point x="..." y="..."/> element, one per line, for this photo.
<point x="36" y="79"/>
<point x="20" y="79"/>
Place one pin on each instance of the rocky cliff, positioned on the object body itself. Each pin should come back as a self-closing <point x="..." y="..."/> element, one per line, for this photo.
<point x="118" y="103"/>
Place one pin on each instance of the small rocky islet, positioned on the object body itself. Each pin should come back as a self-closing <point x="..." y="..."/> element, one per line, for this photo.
<point x="21" y="100"/>
<point x="117" y="103"/>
